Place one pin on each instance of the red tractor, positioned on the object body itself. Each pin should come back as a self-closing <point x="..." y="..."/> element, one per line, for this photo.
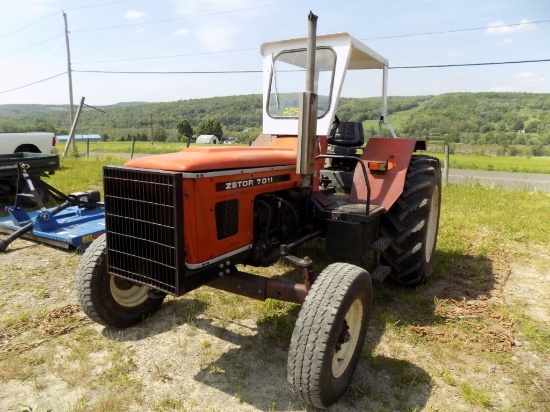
<point x="176" y="222"/>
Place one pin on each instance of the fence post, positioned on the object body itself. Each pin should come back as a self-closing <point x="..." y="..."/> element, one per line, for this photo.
<point x="87" y="147"/>
<point x="132" y="150"/>
<point x="446" y="166"/>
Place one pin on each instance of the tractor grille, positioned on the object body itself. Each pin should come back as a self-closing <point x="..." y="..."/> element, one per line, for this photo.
<point x="227" y="218"/>
<point x="143" y="219"/>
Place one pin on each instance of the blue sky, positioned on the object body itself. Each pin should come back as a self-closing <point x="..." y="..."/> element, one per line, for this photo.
<point x="225" y="35"/>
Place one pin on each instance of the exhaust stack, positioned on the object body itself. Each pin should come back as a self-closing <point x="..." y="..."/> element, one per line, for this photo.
<point x="307" y="122"/>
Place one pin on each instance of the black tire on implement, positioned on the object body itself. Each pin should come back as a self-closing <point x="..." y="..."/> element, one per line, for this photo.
<point x="329" y="334"/>
<point x="106" y="299"/>
<point x="413" y="223"/>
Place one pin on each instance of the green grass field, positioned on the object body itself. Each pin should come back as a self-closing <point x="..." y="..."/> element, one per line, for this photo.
<point x="513" y="164"/>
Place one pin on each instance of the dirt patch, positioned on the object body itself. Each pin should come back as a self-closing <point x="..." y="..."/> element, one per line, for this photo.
<point x="469" y="340"/>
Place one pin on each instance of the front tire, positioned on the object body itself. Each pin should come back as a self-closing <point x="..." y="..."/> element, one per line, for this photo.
<point x="413" y="222"/>
<point x="107" y="299"/>
<point x="329" y="334"/>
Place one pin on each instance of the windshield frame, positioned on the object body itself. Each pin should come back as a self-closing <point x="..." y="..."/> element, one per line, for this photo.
<point x="293" y="112"/>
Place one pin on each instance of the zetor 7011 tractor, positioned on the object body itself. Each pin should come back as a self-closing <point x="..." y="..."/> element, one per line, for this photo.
<point x="179" y="221"/>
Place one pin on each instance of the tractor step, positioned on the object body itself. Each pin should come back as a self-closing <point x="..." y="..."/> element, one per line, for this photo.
<point x="381" y="244"/>
<point x="380" y="273"/>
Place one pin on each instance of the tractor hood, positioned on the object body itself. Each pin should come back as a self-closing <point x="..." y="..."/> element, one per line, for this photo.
<point x="201" y="159"/>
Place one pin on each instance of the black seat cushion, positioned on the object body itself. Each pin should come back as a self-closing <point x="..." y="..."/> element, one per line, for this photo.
<point x="341" y="150"/>
<point x="347" y="134"/>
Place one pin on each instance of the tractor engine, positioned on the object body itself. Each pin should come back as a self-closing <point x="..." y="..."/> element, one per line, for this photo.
<point x="278" y="219"/>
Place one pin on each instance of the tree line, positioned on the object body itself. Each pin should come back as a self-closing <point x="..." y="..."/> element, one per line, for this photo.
<point x="475" y="118"/>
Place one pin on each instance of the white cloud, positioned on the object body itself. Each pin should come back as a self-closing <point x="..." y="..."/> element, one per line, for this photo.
<point x="531" y="79"/>
<point x="216" y="22"/>
<point x="201" y="7"/>
<point x="524" y="75"/>
<point x="455" y="53"/>
<point x="523" y="81"/>
<point x="181" y="32"/>
<point x="134" y="14"/>
<point x="500" y="28"/>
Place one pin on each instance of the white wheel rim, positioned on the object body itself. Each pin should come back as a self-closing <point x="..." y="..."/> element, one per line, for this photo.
<point x="126" y="294"/>
<point x="342" y="357"/>
<point x="432" y="224"/>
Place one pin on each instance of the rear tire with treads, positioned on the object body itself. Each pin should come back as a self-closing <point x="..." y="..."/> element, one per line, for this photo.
<point x="413" y="222"/>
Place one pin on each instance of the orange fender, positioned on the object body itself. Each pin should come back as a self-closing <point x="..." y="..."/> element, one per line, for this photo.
<point x="386" y="187"/>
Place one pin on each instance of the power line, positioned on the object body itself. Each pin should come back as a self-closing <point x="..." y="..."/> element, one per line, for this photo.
<point x="95" y="108"/>
<point x="10" y="79"/>
<point x="253" y="49"/>
<point x="168" y="56"/>
<point x="469" y="64"/>
<point x="186" y="18"/>
<point x="32" y="45"/>
<point x="456" y="30"/>
<point x="260" y="71"/>
<point x="27" y="26"/>
<point x="169" y="72"/>
<point x="30" y="84"/>
<point x="54" y="14"/>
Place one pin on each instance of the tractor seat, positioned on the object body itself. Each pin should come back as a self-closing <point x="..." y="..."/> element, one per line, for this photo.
<point x="346" y="138"/>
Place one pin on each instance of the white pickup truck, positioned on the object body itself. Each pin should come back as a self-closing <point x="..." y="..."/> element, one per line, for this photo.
<point x="32" y="142"/>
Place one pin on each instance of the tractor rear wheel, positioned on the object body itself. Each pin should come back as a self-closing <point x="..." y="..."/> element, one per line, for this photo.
<point x="413" y="221"/>
<point x="107" y="299"/>
<point x="329" y="334"/>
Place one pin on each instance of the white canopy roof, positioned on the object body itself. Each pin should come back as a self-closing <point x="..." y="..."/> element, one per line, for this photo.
<point x="351" y="55"/>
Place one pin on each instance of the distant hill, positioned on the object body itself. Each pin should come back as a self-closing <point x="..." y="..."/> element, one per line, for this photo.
<point x="477" y="118"/>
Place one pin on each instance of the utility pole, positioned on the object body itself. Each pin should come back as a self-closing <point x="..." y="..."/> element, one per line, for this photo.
<point x="69" y="70"/>
<point x="151" y="124"/>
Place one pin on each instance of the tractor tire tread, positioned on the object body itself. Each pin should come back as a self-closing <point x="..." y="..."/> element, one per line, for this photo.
<point x="407" y="222"/>
<point x="313" y="330"/>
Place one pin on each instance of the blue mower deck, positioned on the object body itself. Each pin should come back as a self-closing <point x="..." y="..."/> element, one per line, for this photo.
<point x="73" y="227"/>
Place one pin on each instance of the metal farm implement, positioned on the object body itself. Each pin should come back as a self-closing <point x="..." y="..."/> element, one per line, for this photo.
<point x="76" y="222"/>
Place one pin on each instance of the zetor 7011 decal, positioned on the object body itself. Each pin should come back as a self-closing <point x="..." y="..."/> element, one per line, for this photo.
<point x="201" y="216"/>
<point x="258" y="181"/>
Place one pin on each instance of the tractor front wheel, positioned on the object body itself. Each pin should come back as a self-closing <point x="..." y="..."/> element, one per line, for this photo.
<point x="329" y="334"/>
<point x="107" y="299"/>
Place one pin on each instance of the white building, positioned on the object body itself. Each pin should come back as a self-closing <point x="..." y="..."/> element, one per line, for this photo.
<point x="207" y="138"/>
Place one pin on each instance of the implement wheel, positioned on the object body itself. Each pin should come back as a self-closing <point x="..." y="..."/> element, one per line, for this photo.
<point x="329" y="334"/>
<point x="107" y="299"/>
<point x="413" y="223"/>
